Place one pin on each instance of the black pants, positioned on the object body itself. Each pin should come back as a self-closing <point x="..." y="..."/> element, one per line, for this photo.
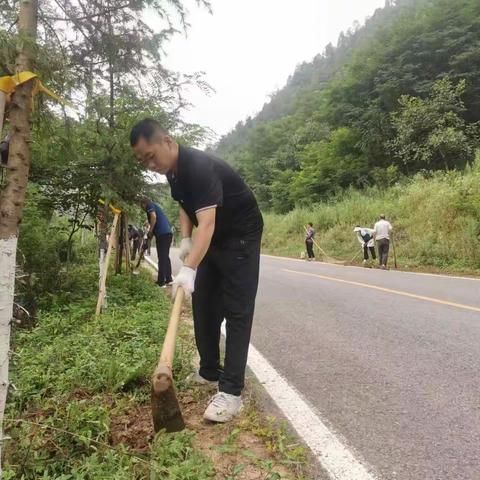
<point x="163" y="243"/>
<point x="365" y="252"/>
<point x="383" y="247"/>
<point x="309" y="246"/>
<point x="226" y="287"/>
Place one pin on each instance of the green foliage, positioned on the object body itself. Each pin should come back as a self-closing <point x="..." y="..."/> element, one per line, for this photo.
<point x="95" y="53"/>
<point x="430" y="133"/>
<point x="329" y="165"/>
<point x="44" y="253"/>
<point x="76" y="373"/>
<point x="397" y="96"/>
<point x="277" y="438"/>
<point x="132" y="349"/>
<point x="435" y="219"/>
<point x="174" y="456"/>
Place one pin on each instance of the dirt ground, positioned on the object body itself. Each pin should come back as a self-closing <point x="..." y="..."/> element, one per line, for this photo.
<point x="240" y="450"/>
<point x="236" y="452"/>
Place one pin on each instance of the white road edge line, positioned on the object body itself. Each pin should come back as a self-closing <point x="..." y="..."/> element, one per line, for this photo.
<point x="151" y="262"/>
<point x="336" y="459"/>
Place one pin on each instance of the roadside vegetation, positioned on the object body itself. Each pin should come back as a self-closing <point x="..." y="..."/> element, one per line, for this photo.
<point x="82" y="380"/>
<point x="385" y="121"/>
<point x="394" y="97"/>
<point x="436" y="219"/>
<point x="80" y="408"/>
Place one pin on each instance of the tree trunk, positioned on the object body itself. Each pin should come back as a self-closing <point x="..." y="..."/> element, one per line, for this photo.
<point x="102" y="291"/>
<point x="120" y="245"/>
<point x="127" y="245"/>
<point x="111" y="117"/>
<point x="12" y="197"/>
<point x="3" y="101"/>
<point x="102" y="238"/>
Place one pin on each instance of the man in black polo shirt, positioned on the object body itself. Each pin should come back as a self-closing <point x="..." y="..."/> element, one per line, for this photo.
<point x="221" y="264"/>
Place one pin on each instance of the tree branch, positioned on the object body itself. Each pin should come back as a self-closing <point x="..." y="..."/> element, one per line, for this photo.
<point x="90" y="16"/>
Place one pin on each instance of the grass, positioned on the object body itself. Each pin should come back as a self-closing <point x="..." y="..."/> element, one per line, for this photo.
<point x="436" y="221"/>
<point x="81" y="407"/>
<point x="284" y="447"/>
<point x="76" y="374"/>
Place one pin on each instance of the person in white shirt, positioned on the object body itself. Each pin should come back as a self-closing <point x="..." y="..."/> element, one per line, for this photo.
<point x="382" y="230"/>
<point x="365" y="237"/>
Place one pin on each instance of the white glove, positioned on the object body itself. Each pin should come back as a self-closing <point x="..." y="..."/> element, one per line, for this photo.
<point x="185" y="248"/>
<point x="186" y="279"/>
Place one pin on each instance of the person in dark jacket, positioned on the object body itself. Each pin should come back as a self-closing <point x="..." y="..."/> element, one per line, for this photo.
<point x="309" y="242"/>
<point x="220" y="264"/>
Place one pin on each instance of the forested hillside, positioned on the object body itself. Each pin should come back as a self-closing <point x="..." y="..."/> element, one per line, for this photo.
<point x="397" y="96"/>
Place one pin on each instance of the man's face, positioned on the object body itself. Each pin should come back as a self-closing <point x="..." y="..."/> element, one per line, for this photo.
<point x="157" y="156"/>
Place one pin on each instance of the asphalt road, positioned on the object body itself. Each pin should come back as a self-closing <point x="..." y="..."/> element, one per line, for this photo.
<point x="389" y="360"/>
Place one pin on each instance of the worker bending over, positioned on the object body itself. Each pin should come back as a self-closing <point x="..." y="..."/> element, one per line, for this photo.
<point x="365" y="237"/>
<point x="221" y="264"/>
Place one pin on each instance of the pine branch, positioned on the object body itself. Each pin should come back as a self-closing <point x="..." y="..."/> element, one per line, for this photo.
<point x="108" y="11"/>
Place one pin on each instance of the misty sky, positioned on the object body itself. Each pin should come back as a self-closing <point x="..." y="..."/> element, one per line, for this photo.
<point x="248" y="48"/>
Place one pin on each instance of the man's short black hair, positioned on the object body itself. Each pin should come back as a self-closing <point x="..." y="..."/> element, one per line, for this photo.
<point x="145" y="128"/>
<point x="143" y="200"/>
<point x="310" y="223"/>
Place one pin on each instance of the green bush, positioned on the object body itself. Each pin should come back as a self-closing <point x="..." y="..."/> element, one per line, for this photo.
<point x="44" y="256"/>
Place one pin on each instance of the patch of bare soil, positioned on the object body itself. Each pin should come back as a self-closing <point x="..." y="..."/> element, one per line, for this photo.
<point x="235" y="452"/>
<point x="133" y="428"/>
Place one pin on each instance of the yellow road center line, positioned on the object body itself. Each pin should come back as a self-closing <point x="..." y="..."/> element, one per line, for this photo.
<point x="388" y="290"/>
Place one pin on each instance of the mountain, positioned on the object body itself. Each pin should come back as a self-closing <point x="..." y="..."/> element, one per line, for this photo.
<point x="398" y="95"/>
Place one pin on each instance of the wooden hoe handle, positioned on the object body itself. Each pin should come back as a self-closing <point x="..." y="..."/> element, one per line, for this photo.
<point x="168" y="349"/>
<point x="162" y="376"/>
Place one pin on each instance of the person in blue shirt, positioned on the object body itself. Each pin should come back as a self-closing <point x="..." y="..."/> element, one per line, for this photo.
<point x="159" y="227"/>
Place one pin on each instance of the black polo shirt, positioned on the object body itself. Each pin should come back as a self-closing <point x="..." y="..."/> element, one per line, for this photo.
<point x="202" y="181"/>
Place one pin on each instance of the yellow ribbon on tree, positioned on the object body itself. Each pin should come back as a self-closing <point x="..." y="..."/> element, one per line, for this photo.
<point x="9" y="83"/>
<point x="112" y="208"/>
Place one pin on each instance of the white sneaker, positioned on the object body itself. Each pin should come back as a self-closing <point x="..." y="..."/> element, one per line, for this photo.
<point x="223" y="407"/>
<point x="196" y="379"/>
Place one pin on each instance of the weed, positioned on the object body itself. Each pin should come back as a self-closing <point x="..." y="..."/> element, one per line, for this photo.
<point x="75" y="373"/>
<point x="435" y="220"/>
<point x="277" y="440"/>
